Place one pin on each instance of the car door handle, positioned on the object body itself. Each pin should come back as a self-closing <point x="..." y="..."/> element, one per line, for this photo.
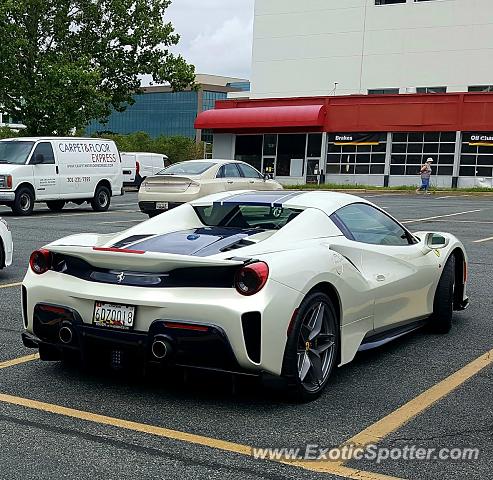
<point x="230" y="181"/>
<point x="380" y="278"/>
<point x="251" y="181"/>
<point x="56" y="169"/>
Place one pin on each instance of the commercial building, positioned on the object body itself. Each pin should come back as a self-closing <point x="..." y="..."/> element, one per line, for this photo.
<point x="364" y="91"/>
<point x="160" y="111"/>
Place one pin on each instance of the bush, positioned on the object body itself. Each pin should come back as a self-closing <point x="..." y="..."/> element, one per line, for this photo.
<point x="177" y="148"/>
<point x="6" y="132"/>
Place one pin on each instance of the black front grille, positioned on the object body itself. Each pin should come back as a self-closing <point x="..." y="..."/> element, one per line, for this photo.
<point x="212" y="277"/>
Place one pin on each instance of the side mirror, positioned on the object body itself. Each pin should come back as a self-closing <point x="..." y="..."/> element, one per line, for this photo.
<point x="37" y="159"/>
<point x="434" y="241"/>
<point x="267" y="176"/>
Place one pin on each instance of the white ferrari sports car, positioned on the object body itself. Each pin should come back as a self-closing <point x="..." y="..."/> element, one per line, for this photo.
<point x="284" y="285"/>
<point x="6" y="245"/>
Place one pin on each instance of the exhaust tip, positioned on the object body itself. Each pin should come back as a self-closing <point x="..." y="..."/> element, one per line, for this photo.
<point x="160" y="349"/>
<point x="65" y="335"/>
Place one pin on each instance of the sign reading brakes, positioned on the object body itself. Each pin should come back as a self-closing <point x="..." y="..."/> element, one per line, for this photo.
<point x="355" y="138"/>
<point x="100" y="151"/>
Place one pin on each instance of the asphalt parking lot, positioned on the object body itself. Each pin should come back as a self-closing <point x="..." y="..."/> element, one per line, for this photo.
<point x="425" y="390"/>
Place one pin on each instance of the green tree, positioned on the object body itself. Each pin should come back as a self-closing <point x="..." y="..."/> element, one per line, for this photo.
<point x="177" y="148"/>
<point x="66" y="62"/>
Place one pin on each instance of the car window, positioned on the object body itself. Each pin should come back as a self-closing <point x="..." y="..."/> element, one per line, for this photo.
<point x="366" y="224"/>
<point x="248" y="171"/>
<point x="46" y="150"/>
<point x="228" y="171"/>
<point x="263" y="217"/>
<point x="189" y="168"/>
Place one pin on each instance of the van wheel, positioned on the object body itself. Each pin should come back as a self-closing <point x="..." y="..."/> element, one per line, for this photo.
<point x="24" y="202"/>
<point x="101" y="200"/>
<point x="56" y="205"/>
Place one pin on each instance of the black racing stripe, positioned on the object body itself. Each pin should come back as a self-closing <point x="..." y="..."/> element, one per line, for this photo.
<point x="202" y="241"/>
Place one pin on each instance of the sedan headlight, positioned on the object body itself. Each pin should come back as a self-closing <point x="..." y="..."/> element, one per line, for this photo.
<point x="5" y="223"/>
<point x="5" y="181"/>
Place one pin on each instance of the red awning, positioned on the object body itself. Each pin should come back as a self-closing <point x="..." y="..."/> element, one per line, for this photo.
<point x="262" y="117"/>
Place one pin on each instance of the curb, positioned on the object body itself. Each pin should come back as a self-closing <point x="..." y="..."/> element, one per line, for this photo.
<point x="399" y="192"/>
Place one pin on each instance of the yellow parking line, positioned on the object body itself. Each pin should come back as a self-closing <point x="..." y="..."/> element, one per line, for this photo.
<point x="128" y="425"/>
<point x="215" y="443"/>
<point x="17" y="361"/>
<point x="10" y="285"/>
<point x="392" y="422"/>
<point x="371" y="435"/>
<point x="335" y="468"/>
<point x="398" y="418"/>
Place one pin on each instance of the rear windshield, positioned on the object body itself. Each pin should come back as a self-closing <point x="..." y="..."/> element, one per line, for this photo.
<point x="189" y="168"/>
<point x="246" y="216"/>
<point x="15" y="151"/>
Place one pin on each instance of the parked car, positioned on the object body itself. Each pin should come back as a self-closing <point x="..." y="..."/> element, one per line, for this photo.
<point x="286" y="285"/>
<point x="139" y="165"/>
<point x="6" y="245"/>
<point x="186" y="181"/>
<point x="58" y="170"/>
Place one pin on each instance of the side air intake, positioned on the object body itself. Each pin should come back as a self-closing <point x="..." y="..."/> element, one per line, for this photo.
<point x="251" y="324"/>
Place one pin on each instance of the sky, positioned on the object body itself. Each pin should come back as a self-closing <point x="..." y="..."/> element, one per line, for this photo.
<point x="216" y="35"/>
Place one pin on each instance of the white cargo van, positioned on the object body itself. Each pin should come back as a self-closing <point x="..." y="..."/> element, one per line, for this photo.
<point x="139" y="165"/>
<point x="57" y="170"/>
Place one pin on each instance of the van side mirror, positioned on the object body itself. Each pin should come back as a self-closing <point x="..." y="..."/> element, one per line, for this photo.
<point x="37" y="159"/>
<point x="434" y="241"/>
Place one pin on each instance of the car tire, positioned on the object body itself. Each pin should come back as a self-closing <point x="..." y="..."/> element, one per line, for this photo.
<point x="2" y="256"/>
<point x="55" y="205"/>
<point x="443" y="305"/>
<point x="312" y="348"/>
<point x="102" y="199"/>
<point x="24" y="202"/>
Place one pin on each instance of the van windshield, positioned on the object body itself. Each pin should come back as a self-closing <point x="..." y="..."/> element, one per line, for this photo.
<point x="15" y="152"/>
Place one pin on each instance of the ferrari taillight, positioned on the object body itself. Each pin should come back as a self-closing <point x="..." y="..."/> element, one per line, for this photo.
<point x="40" y="261"/>
<point x="251" y="278"/>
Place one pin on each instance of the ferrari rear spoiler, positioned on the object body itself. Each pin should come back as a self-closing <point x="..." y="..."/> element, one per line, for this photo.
<point x="140" y="261"/>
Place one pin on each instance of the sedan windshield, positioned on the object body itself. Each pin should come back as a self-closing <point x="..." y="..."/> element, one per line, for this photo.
<point x="264" y="217"/>
<point x="15" y="152"/>
<point x="188" y="168"/>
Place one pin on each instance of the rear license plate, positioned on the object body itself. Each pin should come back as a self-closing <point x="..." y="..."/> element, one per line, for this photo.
<point x="113" y="315"/>
<point x="161" y="205"/>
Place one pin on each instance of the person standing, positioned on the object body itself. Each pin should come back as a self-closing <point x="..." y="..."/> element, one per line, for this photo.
<point x="425" y="173"/>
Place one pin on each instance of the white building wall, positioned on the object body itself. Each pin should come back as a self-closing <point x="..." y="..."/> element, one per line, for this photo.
<point x="302" y="48"/>
<point x="223" y="146"/>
